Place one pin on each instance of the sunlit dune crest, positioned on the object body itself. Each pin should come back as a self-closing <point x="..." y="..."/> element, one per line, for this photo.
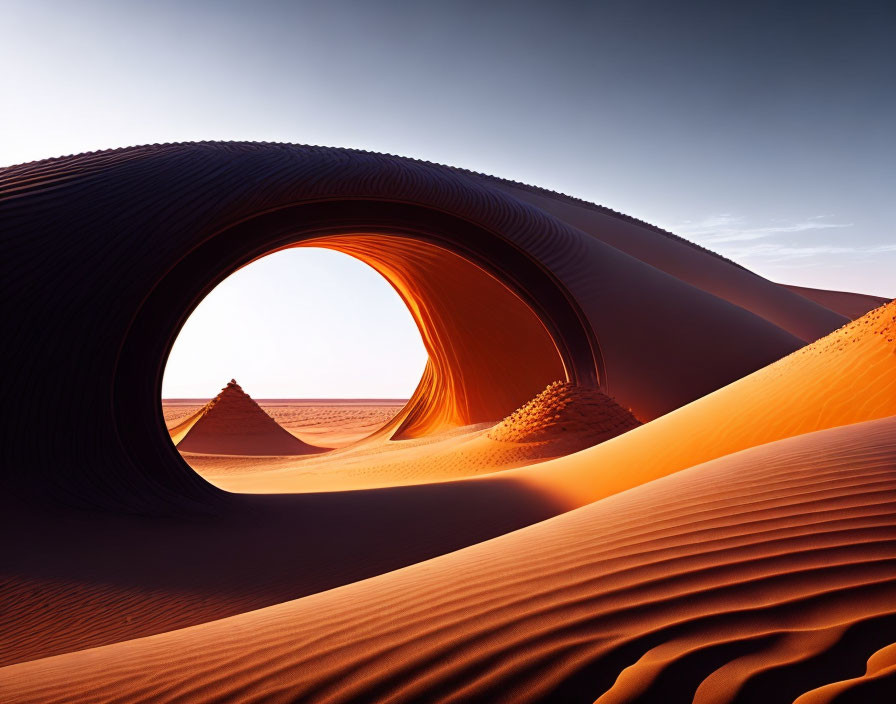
<point x="846" y="377"/>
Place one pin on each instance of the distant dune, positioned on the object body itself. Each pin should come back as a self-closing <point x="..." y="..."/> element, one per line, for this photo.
<point x="852" y="305"/>
<point x="324" y="422"/>
<point x="233" y="424"/>
<point x="687" y="262"/>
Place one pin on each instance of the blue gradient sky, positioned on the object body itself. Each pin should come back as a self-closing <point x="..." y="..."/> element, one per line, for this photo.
<point x="763" y="130"/>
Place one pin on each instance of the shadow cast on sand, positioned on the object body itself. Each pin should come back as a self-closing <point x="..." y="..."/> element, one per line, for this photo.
<point x="112" y="574"/>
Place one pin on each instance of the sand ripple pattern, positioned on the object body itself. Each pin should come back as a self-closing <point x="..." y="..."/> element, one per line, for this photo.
<point x="772" y="570"/>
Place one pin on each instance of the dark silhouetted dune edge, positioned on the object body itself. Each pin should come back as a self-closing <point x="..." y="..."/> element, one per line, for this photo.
<point x="852" y="305"/>
<point x="87" y="581"/>
<point x="771" y="570"/>
<point x="739" y="546"/>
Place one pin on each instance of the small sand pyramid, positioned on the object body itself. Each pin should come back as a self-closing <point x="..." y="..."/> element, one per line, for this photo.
<point x="566" y="412"/>
<point x="233" y="424"/>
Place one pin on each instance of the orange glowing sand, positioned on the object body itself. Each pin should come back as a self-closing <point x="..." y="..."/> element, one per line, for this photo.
<point x="832" y="592"/>
<point x="567" y="412"/>
<point x="739" y="546"/>
<point x="731" y="578"/>
<point x="560" y="420"/>
<point x="847" y="377"/>
<point x="223" y="582"/>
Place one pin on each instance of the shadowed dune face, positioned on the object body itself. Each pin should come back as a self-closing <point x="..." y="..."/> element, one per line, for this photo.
<point x="147" y="256"/>
<point x="851" y="305"/>
<point x="83" y="579"/>
<point x="741" y="547"/>
<point x="761" y="575"/>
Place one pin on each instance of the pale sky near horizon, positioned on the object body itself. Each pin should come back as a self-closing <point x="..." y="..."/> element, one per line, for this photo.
<point x="762" y="130"/>
<point x="288" y="326"/>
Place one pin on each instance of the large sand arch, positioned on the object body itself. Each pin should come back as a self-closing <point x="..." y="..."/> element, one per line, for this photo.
<point x="496" y="325"/>
<point x="109" y="252"/>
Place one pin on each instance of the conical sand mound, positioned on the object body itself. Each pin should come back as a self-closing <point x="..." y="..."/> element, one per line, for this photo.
<point x="564" y="411"/>
<point x="233" y="424"/>
<point x="846" y="377"/>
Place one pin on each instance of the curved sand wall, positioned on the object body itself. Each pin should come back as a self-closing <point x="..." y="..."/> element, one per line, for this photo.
<point x="109" y="252"/>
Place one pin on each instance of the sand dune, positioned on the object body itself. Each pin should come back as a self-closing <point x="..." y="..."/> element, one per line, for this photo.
<point x="772" y="570"/>
<point x="837" y="380"/>
<point x="802" y="316"/>
<point x="876" y="684"/>
<point x="83" y="579"/>
<point x="565" y="412"/>
<point x="650" y="339"/>
<point x="233" y="424"/>
<point x="560" y="420"/>
<point x="739" y="546"/>
<point x="852" y="305"/>
<point x="847" y="377"/>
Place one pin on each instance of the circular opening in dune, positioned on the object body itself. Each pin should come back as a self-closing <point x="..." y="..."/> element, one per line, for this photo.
<point x="318" y="343"/>
<point x="494" y="329"/>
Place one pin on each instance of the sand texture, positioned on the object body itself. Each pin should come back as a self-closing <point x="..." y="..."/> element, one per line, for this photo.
<point x="846" y="377"/>
<point x="320" y="422"/>
<point x="582" y="308"/>
<point x="233" y="424"/>
<point x="566" y="411"/>
<point x="632" y="471"/>
<point x="770" y="569"/>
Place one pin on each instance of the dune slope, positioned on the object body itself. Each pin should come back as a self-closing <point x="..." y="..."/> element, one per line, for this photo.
<point x="772" y="570"/>
<point x="852" y="305"/>
<point x="846" y="377"/>
<point x="802" y="316"/>
<point x="579" y="415"/>
<point x="71" y="580"/>
<point x="233" y="424"/>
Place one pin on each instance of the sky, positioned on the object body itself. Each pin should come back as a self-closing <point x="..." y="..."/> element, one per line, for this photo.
<point x="762" y="130"/>
<point x="288" y="326"/>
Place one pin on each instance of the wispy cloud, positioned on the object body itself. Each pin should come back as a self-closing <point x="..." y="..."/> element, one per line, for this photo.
<point x="716" y="229"/>
<point x="779" y="252"/>
<point x="731" y="236"/>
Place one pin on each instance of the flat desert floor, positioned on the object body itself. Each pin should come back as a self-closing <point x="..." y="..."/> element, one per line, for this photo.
<point x="324" y="422"/>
